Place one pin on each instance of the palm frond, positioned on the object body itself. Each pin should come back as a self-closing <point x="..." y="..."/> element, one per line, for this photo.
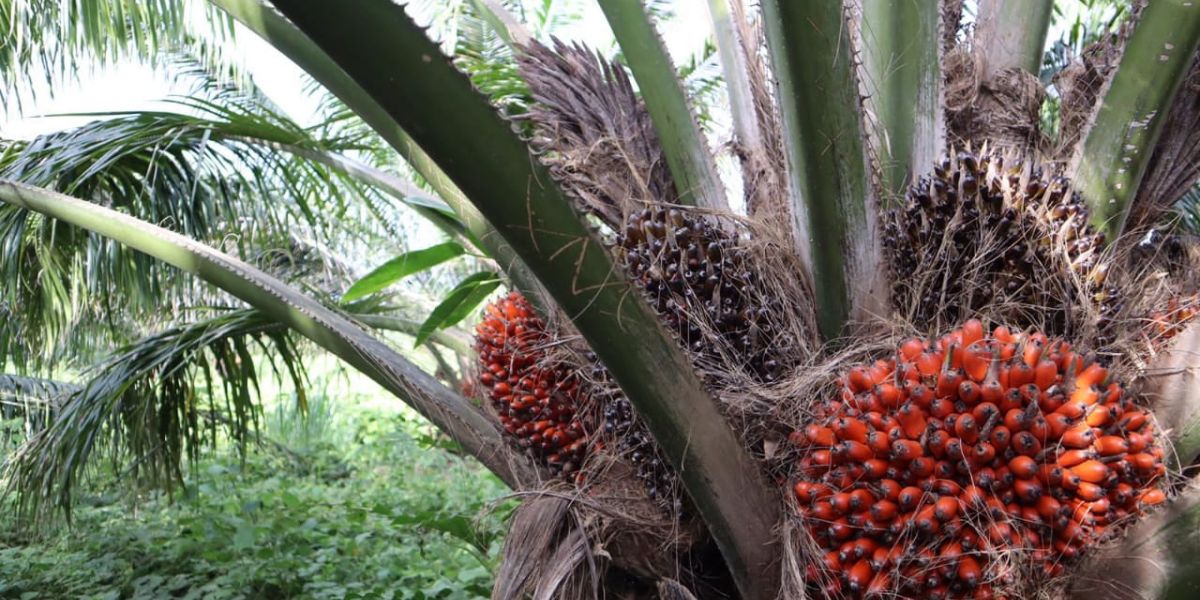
<point x="155" y="404"/>
<point x="303" y="262"/>
<point x="56" y="39"/>
<point x="211" y="170"/>
<point x="305" y="315"/>
<point x="32" y="399"/>
<point x="485" y="55"/>
<point x="832" y="203"/>
<point x="701" y="75"/>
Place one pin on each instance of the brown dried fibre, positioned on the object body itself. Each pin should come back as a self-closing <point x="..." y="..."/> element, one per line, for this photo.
<point x="1001" y="110"/>
<point x="1081" y="84"/>
<point x="1079" y="87"/>
<point x="951" y="23"/>
<point x="592" y="131"/>
<point x="600" y="537"/>
<point x="762" y="167"/>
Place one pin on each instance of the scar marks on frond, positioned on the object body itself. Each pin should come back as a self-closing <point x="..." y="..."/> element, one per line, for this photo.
<point x="533" y="239"/>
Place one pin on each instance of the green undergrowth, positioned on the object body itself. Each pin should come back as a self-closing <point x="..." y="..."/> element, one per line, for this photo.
<point x="356" y="502"/>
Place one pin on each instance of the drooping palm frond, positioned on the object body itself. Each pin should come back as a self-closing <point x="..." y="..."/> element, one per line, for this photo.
<point x="32" y="399"/>
<point x="481" y="50"/>
<point x="483" y="54"/>
<point x="155" y="404"/>
<point x="304" y="263"/>
<point x="293" y="43"/>
<point x="235" y="171"/>
<point x="303" y="314"/>
<point x="53" y="40"/>
<point x="158" y="403"/>
<point x="701" y="75"/>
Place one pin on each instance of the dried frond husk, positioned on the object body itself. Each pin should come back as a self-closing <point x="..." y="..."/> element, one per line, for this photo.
<point x="763" y="168"/>
<point x="1002" y="110"/>
<point x="951" y="23"/>
<point x="546" y="553"/>
<point x="565" y="542"/>
<point x="593" y="132"/>
<point x="1079" y="86"/>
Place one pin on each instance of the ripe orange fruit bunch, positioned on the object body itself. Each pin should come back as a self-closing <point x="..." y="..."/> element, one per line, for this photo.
<point x="1169" y="322"/>
<point x="535" y="398"/>
<point x="932" y="464"/>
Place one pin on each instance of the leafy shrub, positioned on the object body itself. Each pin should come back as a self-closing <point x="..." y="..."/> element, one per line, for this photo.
<point x="340" y="505"/>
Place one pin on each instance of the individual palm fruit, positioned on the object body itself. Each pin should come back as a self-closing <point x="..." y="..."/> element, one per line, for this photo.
<point x="982" y="231"/>
<point x="704" y="289"/>
<point x="956" y="452"/>
<point x="536" y="397"/>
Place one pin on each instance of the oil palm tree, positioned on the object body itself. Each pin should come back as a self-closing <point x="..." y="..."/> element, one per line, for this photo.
<point x="841" y="112"/>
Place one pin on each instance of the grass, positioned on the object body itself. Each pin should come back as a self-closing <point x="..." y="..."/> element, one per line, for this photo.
<point x="358" y="499"/>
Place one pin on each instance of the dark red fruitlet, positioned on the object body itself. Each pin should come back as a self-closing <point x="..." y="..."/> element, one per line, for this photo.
<point x="536" y="398"/>
<point x="1003" y="445"/>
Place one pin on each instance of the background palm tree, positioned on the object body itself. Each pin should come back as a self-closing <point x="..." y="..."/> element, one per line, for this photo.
<point x="827" y="149"/>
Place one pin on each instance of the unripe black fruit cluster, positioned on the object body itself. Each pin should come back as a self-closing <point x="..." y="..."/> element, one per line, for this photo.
<point x="982" y="232"/>
<point x="703" y="287"/>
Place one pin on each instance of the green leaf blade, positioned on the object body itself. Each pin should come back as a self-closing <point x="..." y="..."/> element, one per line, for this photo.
<point x="458" y="304"/>
<point x="402" y="266"/>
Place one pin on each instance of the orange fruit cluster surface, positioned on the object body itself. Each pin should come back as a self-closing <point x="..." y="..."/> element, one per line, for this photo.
<point x="932" y="465"/>
<point x="536" y="399"/>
